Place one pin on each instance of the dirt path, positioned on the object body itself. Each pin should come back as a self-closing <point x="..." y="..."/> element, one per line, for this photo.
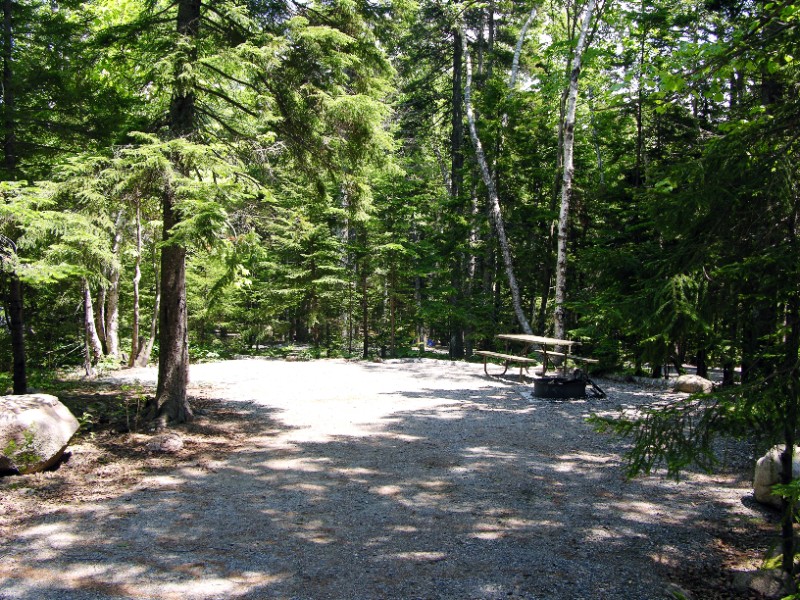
<point x="402" y="479"/>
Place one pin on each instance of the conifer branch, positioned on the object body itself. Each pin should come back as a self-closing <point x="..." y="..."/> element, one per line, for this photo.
<point x="229" y="100"/>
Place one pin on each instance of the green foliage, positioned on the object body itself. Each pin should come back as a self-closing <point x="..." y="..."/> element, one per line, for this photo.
<point x="24" y="453"/>
<point x="679" y="433"/>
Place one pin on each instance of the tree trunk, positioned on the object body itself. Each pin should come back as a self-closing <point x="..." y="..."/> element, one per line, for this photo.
<point x="350" y="311"/>
<point x="702" y="363"/>
<point x="490" y="41"/>
<point x="364" y="314"/>
<point x="17" y="335"/>
<point x="494" y="200"/>
<point x="92" y="339"/>
<point x="9" y="101"/>
<point x="792" y="411"/>
<point x="145" y="350"/>
<point x="559" y="329"/>
<point x="393" y="312"/>
<point x="639" y="176"/>
<point x="170" y="402"/>
<point x="457" y="276"/>
<point x="112" y="307"/>
<point x="512" y="80"/>
<point x="20" y="381"/>
<point x="100" y="317"/>
<point x="137" y="278"/>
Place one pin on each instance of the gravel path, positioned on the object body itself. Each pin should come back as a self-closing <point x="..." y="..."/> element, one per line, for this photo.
<point x="402" y="479"/>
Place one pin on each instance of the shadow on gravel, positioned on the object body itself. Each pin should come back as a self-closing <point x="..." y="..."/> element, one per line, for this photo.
<point x="487" y="495"/>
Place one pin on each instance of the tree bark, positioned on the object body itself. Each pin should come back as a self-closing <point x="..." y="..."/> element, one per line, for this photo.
<point x="112" y="306"/>
<point x="20" y="380"/>
<point x="639" y="175"/>
<point x="170" y="402"/>
<point x="792" y="411"/>
<point x="137" y="278"/>
<point x="145" y="350"/>
<point x="457" y="275"/>
<point x="92" y="339"/>
<point x="490" y="41"/>
<point x="393" y="312"/>
<point x="100" y="316"/>
<point x="512" y="81"/>
<point x="9" y="100"/>
<point x="559" y="328"/>
<point x="364" y="309"/>
<point x="494" y="200"/>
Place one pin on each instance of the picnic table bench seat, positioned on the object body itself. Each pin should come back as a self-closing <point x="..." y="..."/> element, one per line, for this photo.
<point x="507" y="357"/>
<point x="525" y="361"/>
<point x="590" y="361"/>
<point x="522" y="361"/>
<point x="533" y="361"/>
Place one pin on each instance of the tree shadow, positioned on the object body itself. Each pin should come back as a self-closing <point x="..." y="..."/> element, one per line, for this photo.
<point x="482" y="493"/>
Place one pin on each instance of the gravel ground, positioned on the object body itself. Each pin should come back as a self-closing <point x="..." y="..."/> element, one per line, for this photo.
<point x="401" y="479"/>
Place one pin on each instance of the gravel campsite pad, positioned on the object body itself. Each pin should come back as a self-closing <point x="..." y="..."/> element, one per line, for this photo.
<point x="349" y="480"/>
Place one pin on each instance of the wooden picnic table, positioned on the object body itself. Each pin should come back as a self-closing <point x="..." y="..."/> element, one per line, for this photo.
<point x="544" y="346"/>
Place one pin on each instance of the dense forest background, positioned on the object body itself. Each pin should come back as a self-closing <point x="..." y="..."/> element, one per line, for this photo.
<point x="362" y="177"/>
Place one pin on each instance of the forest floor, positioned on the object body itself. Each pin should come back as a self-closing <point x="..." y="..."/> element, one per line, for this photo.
<point x="401" y="479"/>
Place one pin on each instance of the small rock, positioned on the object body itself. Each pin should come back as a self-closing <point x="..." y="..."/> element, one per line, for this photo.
<point x="165" y="442"/>
<point x="692" y="384"/>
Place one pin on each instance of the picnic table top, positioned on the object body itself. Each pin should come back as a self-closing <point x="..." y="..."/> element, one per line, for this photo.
<point x="536" y="339"/>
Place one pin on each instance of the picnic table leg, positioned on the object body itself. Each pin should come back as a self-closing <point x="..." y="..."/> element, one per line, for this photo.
<point x="525" y="350"/>
<point x="486" y="370"/>
<point x="544" y="361"/>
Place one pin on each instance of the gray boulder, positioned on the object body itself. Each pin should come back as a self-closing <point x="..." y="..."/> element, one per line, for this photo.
<point x="34" y="432"/>
<point x="768" y="473"/>
<point x="692" y="384"/>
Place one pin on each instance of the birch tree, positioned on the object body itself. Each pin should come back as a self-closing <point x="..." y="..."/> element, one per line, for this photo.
<point x="93" y="348"/>
<point x="488" y="180"/>
<point x="569" y="174"/>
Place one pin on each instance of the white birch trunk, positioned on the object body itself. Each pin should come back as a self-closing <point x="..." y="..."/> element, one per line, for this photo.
<point x="112" y="310"/>
<point x="100" y="315"/>
<point x="569" y="172"/>
<point x="512" y="81"/>
<point x="494" y="200"/>
<point x="143" y="356"/>
<point x="94" y="348"/>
